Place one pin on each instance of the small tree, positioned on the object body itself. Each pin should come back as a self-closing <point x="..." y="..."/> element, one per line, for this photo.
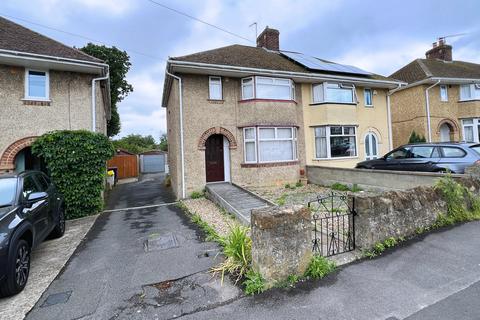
<point x="75" y="161"/>
<point x="136" y="143"/>
<point x="163" y="142"/>
<point x="414" y="138"/>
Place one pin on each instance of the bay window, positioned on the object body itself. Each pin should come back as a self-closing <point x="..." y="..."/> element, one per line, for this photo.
<point x="270" y="144"/>
<point x="268" y="88"/>
<point x="333" y="92"/>
<point x="36" y="85"/>
<point x="469" y="92"/>
<point x="335" y="142"/>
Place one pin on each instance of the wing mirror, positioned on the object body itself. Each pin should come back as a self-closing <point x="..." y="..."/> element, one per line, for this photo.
<point x="36" y="196"/>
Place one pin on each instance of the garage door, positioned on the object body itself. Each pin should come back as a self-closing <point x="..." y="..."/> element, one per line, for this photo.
<point x="152" y="163"/>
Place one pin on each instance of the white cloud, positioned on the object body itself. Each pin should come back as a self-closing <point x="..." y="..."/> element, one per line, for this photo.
<point x="152" y="123"/>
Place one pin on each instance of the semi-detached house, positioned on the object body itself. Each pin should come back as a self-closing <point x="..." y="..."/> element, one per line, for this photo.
<point x="259" y="115"/>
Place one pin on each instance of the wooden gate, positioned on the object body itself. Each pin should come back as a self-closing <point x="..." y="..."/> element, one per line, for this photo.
<point x="127" y="165"/>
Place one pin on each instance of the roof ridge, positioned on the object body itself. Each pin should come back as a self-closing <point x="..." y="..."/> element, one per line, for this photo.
<point x="51" y="39"/>
<point x="424" y="67"/>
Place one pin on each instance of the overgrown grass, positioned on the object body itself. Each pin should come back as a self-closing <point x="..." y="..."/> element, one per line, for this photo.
<point x="197" y="194"/>
<point x="343" y="187"/>
<point x="254" y="283"/>
<point x="237" y="248"/>
<point x="319" y="267"/>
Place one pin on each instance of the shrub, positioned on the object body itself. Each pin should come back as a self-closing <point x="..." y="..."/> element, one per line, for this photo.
<point x="319" y="267"/>
<point x="254" y="283"/>
<point x="76" y="163"/>
<point x="237" y="248"/>
<point x="414" y="138"/>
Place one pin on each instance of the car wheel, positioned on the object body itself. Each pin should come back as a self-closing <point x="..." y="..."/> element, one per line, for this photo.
<point x="59" y="229"/>
<point x="18" y="269"/>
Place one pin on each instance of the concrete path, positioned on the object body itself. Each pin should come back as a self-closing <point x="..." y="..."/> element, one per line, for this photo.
<point x="47" y="261"/>
<point x="435" y="278"/>
<point x="137" y="264"/>
<point x="235" y="200"/>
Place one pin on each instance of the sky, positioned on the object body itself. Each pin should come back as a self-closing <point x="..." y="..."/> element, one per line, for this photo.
<point x="378" y="36"/>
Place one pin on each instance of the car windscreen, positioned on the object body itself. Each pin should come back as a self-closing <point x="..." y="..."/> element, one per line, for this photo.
<point x="8" y="187"/>
<point x="476" y="148"/>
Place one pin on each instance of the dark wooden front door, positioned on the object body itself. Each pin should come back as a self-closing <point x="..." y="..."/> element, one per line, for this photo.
<point x="214" y="158"/>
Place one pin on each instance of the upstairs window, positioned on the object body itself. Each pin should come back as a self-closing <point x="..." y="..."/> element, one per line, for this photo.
<point x="36" y="85"/>
<point x="469" y="92"/>
<point x="334" y="93"/>
<point x="215" y="88"/>
<point x="368" y="94"/>
<point x="268" y="88"/>
<point x="443" y="93"/>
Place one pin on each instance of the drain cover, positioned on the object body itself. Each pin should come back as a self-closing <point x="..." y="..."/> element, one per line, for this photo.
<point x="56" y="298"/>
<point x="157" y="242"/>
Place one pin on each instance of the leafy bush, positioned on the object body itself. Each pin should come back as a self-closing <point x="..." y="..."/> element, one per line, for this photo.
<point x="319" y="267"/>
<point x="414" y="138"/>
<point x="237" y="248"/>
<point x="254" y="283"/>
<point x="76" y="162"/>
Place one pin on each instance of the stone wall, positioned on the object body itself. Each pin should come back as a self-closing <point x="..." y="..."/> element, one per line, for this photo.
<point x="373" y="179"/>
<point x="399" y="213"/>
<point x="281" y="242"/>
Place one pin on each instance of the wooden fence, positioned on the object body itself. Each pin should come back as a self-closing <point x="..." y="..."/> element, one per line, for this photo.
<point x="127" y="165"/>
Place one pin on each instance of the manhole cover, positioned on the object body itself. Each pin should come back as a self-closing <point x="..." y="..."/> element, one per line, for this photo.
<point x="57" y="298"/>
<point x="158" y="242"/>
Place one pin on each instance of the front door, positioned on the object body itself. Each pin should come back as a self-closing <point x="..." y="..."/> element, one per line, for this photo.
<point x="445" y="133"/>
<point x="214" y="158"/>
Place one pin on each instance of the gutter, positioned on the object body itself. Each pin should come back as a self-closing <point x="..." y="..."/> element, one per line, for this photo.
<point x="313" y="76"/>
<point x="94" y="98"/>
<point x="42" y="57"/>
<point x="427" y="107"/>
<point x="389" y="115"/>
<point x="441" y="79"/>
<point x="182" y="154"/>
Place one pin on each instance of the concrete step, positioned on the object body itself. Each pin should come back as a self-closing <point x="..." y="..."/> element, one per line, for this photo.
<point x="235" y="200"/>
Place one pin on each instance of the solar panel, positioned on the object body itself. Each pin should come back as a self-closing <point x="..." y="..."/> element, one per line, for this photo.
<point x="322" y="65"/>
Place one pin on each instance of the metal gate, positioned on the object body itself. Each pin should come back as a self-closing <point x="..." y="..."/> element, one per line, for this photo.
<point x="333" y="224"/>
<point x="151" y="163"/>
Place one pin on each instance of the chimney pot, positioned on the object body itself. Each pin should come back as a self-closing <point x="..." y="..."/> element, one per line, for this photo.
<point x="269" y="39"/>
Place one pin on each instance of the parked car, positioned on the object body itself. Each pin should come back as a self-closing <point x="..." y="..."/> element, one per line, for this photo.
<point x="31" y="209"/>
<point x="451" y="157"/>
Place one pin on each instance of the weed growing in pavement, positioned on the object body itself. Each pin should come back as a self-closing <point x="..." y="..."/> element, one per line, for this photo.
<point x="254" y="283"/>
<point x="197" y="194"/>
<point x="319" y="267"/>
<point x="282" y="200"/>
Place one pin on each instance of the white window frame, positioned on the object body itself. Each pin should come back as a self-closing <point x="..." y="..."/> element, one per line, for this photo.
<point x="444" y="87"/>
<point x="328" y="135"/>
<point x="474" y="125"/>
<point x="341" y="85"/>
<point x="254" y="140"/>
<point x="474" y="92"/>
<point x="210" y="82"/>
<point x="365" y="97"/>
<point x="258" y="140"/>
<point x="275" y="83"/>
<point x="47" y="86"/>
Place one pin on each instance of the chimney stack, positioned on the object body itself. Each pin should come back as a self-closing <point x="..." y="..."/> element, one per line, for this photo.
<point x="269" y="39"/>
<point x="441" y="50"/>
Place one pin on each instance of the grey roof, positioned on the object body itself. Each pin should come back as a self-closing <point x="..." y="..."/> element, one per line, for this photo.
<point x="259" y="58"/>
<point x="421" y="69"/>
<point x="15" y="37"/>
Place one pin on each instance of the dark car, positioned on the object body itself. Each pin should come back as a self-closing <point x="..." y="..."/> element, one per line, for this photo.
<point x="31" y="209"/>
<point x="451" y="157"/>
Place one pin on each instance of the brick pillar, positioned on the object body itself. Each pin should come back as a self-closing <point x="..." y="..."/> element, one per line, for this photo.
<point x="281" y="242"/>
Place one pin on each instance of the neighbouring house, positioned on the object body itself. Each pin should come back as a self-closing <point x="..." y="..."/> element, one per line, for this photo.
<point x="441" y="100"/>
<point x="45" y="86"/>
<point x="258" y="115"/>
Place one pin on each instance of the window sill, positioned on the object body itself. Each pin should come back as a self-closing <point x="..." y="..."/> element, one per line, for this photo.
<point x="266" y="100"/>
<point x="335" y="158"/>
<point x="269" y="164"/>
<point x="36" y="102"/>
<point x="371" y="106"/>
<point x="340" y="103"/>
<point x="470" y="100"/>
<point x="216" y="101"/>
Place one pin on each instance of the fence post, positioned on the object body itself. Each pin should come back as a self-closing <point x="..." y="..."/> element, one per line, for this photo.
<point x="281" y="242"/>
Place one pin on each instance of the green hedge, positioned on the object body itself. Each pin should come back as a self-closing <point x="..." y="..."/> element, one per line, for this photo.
<point x="75" y="161"/>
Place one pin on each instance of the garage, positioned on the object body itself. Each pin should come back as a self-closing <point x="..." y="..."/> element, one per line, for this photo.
<point x="153" y="161"/>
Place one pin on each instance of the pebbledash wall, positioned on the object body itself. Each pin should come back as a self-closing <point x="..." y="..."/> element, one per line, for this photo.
<point x="366" y="119"/>
<point x="229" y="116"/>
<point x="22" y="121"/>
<point x="409" y="113"/>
